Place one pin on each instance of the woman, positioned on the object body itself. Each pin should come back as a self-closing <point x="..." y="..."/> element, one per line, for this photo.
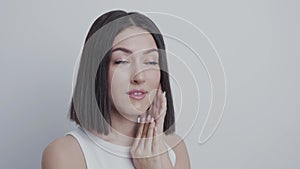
<point x="122" y="101"/>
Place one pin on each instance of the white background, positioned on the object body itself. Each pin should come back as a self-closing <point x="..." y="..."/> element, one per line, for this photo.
<point x="258" y="42"/>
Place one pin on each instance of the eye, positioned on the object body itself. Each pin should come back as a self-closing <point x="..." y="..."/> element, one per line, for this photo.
<point x="152" y="63"/>
<point x="121" y="62"/>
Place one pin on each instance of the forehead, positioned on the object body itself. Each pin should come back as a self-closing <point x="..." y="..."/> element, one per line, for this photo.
<point x="134" y="39"/>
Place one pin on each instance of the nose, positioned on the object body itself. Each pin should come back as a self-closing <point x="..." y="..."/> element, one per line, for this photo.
<point x="138" y="77"/>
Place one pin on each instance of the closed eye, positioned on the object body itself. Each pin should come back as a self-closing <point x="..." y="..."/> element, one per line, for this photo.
<point x="121" y="62"/>
<point x="152" y="63"/>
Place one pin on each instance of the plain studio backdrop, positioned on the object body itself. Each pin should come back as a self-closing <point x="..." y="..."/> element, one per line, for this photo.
<point x="258" y="43"/>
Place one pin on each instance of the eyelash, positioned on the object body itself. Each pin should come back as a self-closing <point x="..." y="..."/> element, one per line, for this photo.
<point x="120" y="62"/>
<point x="152" y="63"/>
<point x="123" y="62"/>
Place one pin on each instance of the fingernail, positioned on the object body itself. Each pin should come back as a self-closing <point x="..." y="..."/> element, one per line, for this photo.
<point x="164" y="93"/>
<point x="139" y="119"/>
<point x="149" y="118"/>
<point x="143" y="119"/>
<point x="152" y="119"/>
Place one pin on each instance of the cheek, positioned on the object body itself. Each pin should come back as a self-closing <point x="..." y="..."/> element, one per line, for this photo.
<point x="153" y="78"/>
<point x="118" y="84"/>
<point x="117" y="78"/>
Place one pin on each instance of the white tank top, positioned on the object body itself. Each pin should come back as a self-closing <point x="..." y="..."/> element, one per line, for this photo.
<point x="99" y="153"/>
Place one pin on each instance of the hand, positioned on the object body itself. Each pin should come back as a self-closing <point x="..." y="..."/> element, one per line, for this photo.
<point x="146" y="146"/>
<point x="158" y="109"/>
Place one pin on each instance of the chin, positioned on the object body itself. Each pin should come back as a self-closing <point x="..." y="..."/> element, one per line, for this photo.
<point x="133" y="113"/>
<point x="137" y="112"/>
<point x="130" y="115"/>
<point x="132" y="110"/>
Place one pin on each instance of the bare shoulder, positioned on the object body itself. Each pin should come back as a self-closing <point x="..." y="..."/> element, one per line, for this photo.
<point x="179" y="147"/>
<point x="64" y="152"/>
<point x="174" y="141"/>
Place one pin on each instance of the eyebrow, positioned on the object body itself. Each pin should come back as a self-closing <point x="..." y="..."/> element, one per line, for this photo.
<point x="130" y="52"/>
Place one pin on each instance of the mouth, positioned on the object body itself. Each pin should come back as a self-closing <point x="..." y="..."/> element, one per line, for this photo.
<point x="137" y="94"/>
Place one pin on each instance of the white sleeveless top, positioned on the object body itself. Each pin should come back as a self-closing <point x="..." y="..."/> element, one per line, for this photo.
<point x="101" y="154"/>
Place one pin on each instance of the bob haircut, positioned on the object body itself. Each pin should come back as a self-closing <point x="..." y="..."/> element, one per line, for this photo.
<point x="91" y="105"/>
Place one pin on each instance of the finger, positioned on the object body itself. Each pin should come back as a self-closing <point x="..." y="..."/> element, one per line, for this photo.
<point x="151" y="110"/>
<point x="162" y="113"/>
<point x="146" y="127"/>
<point x="154" y="109"/>
<point x="159" y="87"/>
<point x="160" y="104"/>
<point x="148" y="142"/>
<point x="159" y="100"/>
<point x="163" y="103"/>
<point x="143" y="117"/>
<point x="156" y="105"/>
<point x="157" y="94"/>
<point x="138" y="135"/>
<point x="140" y="129"/>
<point x="141" y="143"/>
<point x="155" y="148"/>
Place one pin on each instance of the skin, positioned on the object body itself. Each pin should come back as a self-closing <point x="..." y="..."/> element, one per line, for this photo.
<point x="133" y="65"/>
<point x="148" y="150"/>
<point x="133" y="68"/>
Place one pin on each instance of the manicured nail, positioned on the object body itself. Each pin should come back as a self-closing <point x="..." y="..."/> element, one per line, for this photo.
<point x="152" y="120"/>
<point x="139" y="119"/>
<point x="143" y="119"/>
<point x="148" y="118"/>
<point x="164" y="93"/>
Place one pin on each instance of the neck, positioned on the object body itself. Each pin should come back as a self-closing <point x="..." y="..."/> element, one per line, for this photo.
<point x="123" y="126"/>
<point x="122" y="131"/>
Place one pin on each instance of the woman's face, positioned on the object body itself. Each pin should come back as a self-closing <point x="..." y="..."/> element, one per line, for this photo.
<point x="134" y="73"/>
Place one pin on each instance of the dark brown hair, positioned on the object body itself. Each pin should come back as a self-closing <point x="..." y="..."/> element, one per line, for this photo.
<point x="90" y="104"/>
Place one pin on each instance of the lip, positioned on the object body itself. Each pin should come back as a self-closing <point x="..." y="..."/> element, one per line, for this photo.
<point x="137" y="94"/>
